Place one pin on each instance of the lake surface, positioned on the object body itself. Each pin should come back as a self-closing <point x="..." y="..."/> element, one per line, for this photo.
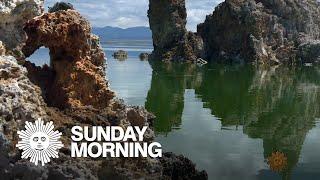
<point x="234" y="121"/>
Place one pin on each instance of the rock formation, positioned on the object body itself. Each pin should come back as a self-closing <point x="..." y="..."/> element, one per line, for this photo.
<point x="77" y="60"/>
<point x="263" y="31"/>
<point x="144" y="56"/>
<point x="120" y="55"/>
<point x="171" y="40"/>
<point x="172" y="165"/>
<point x="60" y="6"/>
<point x="13" y="15"/>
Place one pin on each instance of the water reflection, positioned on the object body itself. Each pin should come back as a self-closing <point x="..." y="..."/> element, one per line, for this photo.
<point x="277" y="105"/>
<point x="166" y="95"/>
<point x="283" y="109"/>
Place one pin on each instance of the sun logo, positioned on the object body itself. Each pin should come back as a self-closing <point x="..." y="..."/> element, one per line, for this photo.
<point x="278" y="161"/>
<point x="39" y="142"/>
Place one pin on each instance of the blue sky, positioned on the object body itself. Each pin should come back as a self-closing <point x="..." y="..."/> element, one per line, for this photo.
<point x="130" y="13"/>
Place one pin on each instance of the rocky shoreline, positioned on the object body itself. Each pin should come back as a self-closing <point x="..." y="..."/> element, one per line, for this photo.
<point x="72" y="90"/>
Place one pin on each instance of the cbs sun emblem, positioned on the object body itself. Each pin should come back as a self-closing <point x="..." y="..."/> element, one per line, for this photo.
<point x="39" y="142"/>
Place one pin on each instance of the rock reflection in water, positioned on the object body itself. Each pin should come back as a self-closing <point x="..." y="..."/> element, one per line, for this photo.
<point x="278" y="105"/>
<point x="165" y="97"/>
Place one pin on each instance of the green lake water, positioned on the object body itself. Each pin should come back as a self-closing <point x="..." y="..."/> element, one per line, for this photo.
<point x="230" y="120"/>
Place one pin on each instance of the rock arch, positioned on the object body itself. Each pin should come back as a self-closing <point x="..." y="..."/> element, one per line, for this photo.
<point x="77" y="64"/>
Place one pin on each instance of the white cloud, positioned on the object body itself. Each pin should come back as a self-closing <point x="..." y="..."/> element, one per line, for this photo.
<point x="129" y="13"/>
<point x="197" y="10"/>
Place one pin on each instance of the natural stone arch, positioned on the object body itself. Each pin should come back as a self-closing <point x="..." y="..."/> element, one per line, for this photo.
<point x="77" y="62"/>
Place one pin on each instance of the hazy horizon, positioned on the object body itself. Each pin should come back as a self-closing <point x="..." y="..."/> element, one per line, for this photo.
<point x="121" y="27"/>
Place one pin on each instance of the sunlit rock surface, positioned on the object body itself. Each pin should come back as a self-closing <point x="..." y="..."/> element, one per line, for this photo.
<point x="2" y="49"/>
<point x="13" y="15"/>
<point x="263" y="31"/>
<point x="77" y="59"/>
<point x="20" y="99"/>
<point x="171" y="40"/>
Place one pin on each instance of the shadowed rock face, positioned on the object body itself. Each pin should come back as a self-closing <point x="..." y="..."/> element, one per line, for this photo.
<point x="279" y="31"/>
<point x="77" y="61"/>
<point x="171" y="40"/>
<point x="13" y="15"/>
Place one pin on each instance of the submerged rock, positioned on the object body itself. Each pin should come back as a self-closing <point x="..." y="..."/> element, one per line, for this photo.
<point x="120" y="55"/>
<point x="76" y="59"/>
<point x="171" y="40"/>
<point x="260" y="31"/>
<point x="13" y="15"/>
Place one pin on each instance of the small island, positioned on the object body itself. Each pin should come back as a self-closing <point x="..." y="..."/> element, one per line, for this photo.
<point x="120" y="55"/>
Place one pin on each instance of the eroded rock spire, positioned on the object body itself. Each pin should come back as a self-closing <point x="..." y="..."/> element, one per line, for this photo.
<point x="171" y="40"/>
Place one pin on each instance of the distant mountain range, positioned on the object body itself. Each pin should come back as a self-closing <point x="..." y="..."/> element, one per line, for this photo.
<point x="115" y="33"/>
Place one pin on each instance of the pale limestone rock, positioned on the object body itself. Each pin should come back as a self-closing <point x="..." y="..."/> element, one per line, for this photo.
<point x="20" y="99"/>
<point x="2" y="49"/>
